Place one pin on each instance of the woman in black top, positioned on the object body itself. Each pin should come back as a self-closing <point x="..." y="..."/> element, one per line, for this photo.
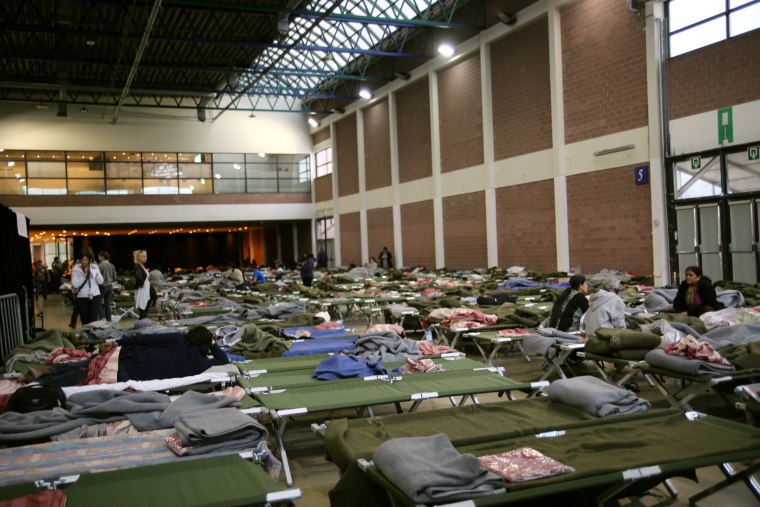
<point x="696" y="294"/>
<point x="571" y="305"/>
<point x="307" y="269"/>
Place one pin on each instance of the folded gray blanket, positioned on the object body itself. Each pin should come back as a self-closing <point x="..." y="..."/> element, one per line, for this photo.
<point x="385" y="347"/>
<point x="431" y="470"/>
<point x="197" y="428"/>
<point x="20" y="428"/>
<point x="740" y="334"/>
<point x="678" y="364"/>
<point x="596" y="397"/>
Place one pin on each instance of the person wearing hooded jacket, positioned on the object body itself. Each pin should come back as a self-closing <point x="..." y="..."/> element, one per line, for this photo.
<point x="605" y="310"/>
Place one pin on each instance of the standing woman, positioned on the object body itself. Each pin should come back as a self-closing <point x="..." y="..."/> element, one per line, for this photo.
<point x="696" y="295"/>
<point x="142" y="283"/>
<point x="307" y="269"/>
<point x="85" y="281"/>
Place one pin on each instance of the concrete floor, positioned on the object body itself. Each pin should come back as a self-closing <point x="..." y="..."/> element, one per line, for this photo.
<point x="316" y="476"/>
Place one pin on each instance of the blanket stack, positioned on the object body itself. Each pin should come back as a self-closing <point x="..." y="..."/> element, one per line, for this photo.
<point x="596" y="397"/>
<point x="431" y="470"/>
<point x="220" y="430"/>
<point x="622" y="343"/>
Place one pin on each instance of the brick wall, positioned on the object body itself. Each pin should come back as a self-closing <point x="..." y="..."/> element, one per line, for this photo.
<point x="379" y="230"/>
<point x="716" y="76"/>
<point x="350" y="239"/>
<point x="347" y="156"/>
<point x="150" y="200"/>
<point x="603" y="68"/>
<point x="413" y="127"/>
<point x="377" y="146"/>
<point x="609" y="221"/>
<point x="461" y="115"/>
<point x="319" y="136"/>
<point x="522" y="115"/>
<point x="323" y="190"/>
<point x="418" y="234"/>
<point x="526" y="227"/>
<point x="464" y="231"/>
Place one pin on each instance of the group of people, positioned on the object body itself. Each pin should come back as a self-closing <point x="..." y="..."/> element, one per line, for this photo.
<point x="696" y="296"/>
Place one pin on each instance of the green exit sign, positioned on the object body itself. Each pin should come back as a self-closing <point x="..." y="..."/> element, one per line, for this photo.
<point x="753" y="153"/>
<point x="696" y="162"/>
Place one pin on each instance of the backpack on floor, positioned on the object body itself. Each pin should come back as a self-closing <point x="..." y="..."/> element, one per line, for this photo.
<point x="496" y="299"/>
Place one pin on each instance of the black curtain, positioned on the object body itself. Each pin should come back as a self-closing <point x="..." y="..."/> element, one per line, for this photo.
<point x="16" y="264"/>
<point x="168" y="250"/>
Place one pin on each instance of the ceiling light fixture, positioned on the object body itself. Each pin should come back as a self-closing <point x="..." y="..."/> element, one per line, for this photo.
<point x="365" y="93"/>
<point x="446" y="50"/>
<point x="251" y="115"/>
<point x="90" y="42"/>
<point x="313" y="122"/>
<point x="83" y="109"/>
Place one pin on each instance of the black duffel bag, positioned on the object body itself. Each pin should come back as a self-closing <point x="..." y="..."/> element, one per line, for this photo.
<point x="35" y="397"/>
<point x="496" y="299"/>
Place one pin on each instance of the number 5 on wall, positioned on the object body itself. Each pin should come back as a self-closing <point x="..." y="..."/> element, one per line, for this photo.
<point x="641" y="174"/>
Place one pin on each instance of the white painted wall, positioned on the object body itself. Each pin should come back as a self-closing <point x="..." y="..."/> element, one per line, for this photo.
<point x="23" y="127"/>
<point x="699" y="132"/>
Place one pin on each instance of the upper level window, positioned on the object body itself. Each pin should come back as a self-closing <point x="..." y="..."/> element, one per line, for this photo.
<point x="324" y="162"/>
<point x="696" y="24"/>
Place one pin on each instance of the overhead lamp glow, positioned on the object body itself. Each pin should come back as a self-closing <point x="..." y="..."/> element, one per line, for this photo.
<point x="365" y="93"/>
<point x="236" y="167"/>
<point x="446" y="49"/>
<point x="313" y="122"/>
<point x="262" y="154"/>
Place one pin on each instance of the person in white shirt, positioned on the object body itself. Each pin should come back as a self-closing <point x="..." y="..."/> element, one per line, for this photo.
<point x="86" y="279"/>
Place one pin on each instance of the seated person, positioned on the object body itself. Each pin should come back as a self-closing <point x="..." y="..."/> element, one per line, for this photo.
<point x="153" y="357"/>
<point x="258" y="276"/>
<point x="234" y="274"/>
<point x="696" y="295"/>
<point x="570" y="307"/>
<point x="606" y="310"/>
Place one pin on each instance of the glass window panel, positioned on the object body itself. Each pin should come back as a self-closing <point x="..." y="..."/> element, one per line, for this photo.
<point x="744" y="20"/>
<point x="263" y="170"/>
<point x="45" y="155"/>
<point x="11" y="168"/>
<point x="737" y="3"/>
<point x="163" y="170"/>
<point x="229" y="186"/>
<point x="230" y="170"/>
<point x="698" y="37"/>
<point x="159" y="157"/>
<point x="262" y="185"/>
<point x="687" y="12"/>
<point x="37" y="169"/>
<point x="12" y="186"/>
<point x="743" y="174"/>
<point x="702" y="182"/>
<point x="195" y="170"/>
<point x="124" y="186"/>
<point x="195" y="186"/>
<point x="84" y="186"/>
<point x="86" y="169"/>
<point x="12" y="155"/>
<point x="155" y="186"/>
<point x="123" y="170"/>
<point x="195" y="158"/>
<point x="123" y="156"/>
<point x="294" y="185"/>
<point x="229" y="158"/>
<point x="304" y="170"/>
<point x="46" y="187"/>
